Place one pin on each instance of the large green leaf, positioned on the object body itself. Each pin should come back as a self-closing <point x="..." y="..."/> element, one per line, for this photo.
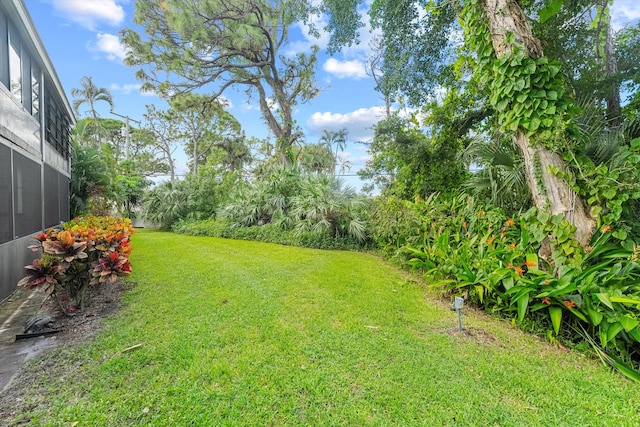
<point x="595" y="316"/>
<point x="523" y="303"/>
<point x="604" y="298"/>
<point x="556" y="318"/>
<point x="624" y="300"/>
<point x="613" y="330"/>
<point x="628" y="323"/>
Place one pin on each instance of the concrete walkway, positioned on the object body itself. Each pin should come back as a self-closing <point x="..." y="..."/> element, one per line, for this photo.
<point x="15" y="310"/>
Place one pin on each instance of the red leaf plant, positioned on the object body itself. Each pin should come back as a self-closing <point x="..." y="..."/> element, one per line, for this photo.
<point x="43" y="274"/>
<point x="110" y="266"/>
<point x="65" y="246"/>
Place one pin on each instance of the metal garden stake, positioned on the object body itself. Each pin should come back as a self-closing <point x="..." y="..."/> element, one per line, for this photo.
<point x="457" y="306"/>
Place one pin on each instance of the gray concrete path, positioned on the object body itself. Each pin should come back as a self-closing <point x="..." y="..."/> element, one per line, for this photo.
<point x="15" y="310"/>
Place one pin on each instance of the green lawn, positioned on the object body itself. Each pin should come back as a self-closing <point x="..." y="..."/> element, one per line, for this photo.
<point x="242" y="333"/>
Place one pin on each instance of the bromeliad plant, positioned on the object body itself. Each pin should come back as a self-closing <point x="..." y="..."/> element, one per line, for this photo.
<point x="87" y="251"/>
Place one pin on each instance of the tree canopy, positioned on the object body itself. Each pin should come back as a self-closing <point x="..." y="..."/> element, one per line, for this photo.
<point x="216" y="45"/>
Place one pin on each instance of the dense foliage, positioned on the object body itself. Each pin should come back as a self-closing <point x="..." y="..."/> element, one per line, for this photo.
<point x="287" y="205"/>
<point x="515" y="183"/>
<point x="466" y="247"/>
<point x="87" y="251"/>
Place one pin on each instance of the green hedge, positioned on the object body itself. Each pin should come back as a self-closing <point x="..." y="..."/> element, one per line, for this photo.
<point x="269" y="233"/>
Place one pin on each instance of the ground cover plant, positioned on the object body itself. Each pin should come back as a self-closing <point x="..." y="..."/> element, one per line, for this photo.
<point x="226" y="332"/>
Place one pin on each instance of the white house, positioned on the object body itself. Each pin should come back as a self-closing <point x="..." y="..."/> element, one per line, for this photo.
<point x="35" y="122"/>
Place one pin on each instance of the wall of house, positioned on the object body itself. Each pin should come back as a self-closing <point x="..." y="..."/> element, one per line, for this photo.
<point x="35" y="120"/>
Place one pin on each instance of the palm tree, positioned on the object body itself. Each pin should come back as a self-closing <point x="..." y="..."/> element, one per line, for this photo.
<point x="90" y="94"/>
<point x="316" y="158"/>
<point x="324" y="204"/>
<point x="337" y="138"/>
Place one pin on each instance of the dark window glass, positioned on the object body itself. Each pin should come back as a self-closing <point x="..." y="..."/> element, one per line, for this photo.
<point x="6" y="205"/>
<point x="27" y="195"/>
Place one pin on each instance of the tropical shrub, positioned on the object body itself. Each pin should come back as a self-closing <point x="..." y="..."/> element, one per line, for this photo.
<point x="528" y="267"/>
<point x="308" y="204"/>
<point x="86" y="252"/>
<point x="270" y="233"/>
<point x="91" y="179"/>
<point x="195" y="197"/>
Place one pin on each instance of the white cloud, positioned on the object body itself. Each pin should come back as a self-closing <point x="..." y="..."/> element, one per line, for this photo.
<point x="90" y="13"/>
<point x="110" y="46"/>
<point x="345" y="69"/>
<point x="359" y="123"/>
<point x="365" y="35"/>
<point x="304" y="45"/>
<point x="273" y="104"/>
<point x="624" y="12"/>
<point x="128" y="88"/>
<point x="249" y="106"/>
<point x="226" y="102"/>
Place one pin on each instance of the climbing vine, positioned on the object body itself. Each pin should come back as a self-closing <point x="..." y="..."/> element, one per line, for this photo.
<point x="526" y="93"/>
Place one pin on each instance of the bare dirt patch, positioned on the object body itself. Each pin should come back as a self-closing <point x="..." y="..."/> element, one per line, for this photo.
<point x="21" y="395"/>
<point x="480" y="336"/>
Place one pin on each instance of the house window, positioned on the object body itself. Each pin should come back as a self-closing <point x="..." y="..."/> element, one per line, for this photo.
<point x="57" y="124"/>
<point x="35" y="92"/>
<point x="15" y="68"/>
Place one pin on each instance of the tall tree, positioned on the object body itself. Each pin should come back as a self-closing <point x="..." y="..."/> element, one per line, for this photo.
<point x="523" y="86"/>
<point x="607" y="58"/>
<point x="334" y="138"/>
<point x="164" y="127"/>
<point x="503" y="24"/>
<point x="204" y="125"/>
<point x="219" y="45"/>
<point x="88" y="93"/>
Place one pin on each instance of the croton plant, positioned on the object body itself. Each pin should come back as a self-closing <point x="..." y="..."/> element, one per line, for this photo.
<point x="86" y="251"/>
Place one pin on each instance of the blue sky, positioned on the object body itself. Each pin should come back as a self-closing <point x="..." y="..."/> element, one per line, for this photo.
<point x="81" y="37"/>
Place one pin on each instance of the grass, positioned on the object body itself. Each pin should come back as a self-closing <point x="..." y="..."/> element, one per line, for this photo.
<point x="242" y="333"/>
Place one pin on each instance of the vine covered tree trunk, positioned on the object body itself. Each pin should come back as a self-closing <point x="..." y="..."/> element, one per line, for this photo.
<point x="509" y="29"/>
<point x="614" y="113"/>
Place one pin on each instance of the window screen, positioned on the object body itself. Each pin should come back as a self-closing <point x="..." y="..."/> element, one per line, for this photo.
<point x="63" y="186"/>
<point x="51" y="197"/>
<point x="6" y="206"/>
<point x="27" y="195"/>
<point x="57" y="123"/>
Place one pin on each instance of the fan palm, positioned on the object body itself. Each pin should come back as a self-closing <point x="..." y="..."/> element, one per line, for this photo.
<point x="165" y="204"/>
<point x="500" y="175"/>
<point x="324" y="205"/>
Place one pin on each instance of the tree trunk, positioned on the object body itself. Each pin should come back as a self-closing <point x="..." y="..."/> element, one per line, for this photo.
<point x="195" y="154"/>
<point x="549" y="192"/>
<point x="614" y="111"/>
